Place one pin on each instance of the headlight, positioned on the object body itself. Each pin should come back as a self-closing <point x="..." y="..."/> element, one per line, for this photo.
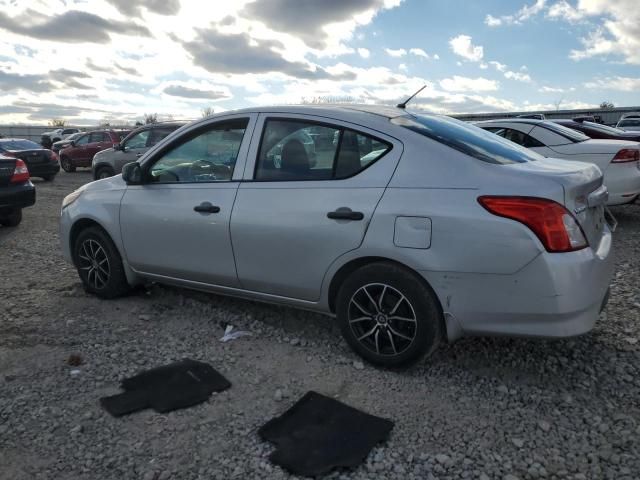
<point x="72" y="197"/>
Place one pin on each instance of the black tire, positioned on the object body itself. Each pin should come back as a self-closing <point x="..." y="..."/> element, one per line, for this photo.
<point x="378" y="335"/>
<point x="12" y="218"/>
<point x="47" y="178"/>
<point x="110" y="281"/>
<point x="65" y="163"/>
<point x="104" y="172"/>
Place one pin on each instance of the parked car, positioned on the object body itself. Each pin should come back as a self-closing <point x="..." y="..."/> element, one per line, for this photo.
<point x="16" y="190"/>
<point x="619" y="160"/>
<point x="110" y="161"/>
<point x="80" y="151"/>
<point x="59" y="145"/>
<point x="41" y="162"/>
<point x="599" y="131"/>
<point x="49" y="138"/>
<point x="445" y="231"/>
<point x="629" y="122"/>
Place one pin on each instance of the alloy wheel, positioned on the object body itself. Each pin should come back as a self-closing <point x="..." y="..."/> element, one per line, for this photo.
<point x="382" y="319"/>
<point x="93" y="259"/>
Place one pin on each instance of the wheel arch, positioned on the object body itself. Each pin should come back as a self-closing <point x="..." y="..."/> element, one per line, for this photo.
<point x="351" y="266"/>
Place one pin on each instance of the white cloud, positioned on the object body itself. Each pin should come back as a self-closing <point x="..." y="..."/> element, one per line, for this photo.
<point x="546" y="89"/>
<point x="466" y="84"/>
<point x="622" y="84"/>
<point x="517" y="18"/>
<point x="501" y="67"/>
<point x="463" y="47"/>
<point x="418" y="52"/>
<point x="403" y="67"/>
<point x="400" y="52"/>
<point x="520" y="77"/>
<point x="364" y="52"/>
<point x="436" y="57"/>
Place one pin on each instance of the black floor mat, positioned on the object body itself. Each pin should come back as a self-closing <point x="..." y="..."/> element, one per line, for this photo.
<point x="178" y="385"/>
<point x="319" y="433"/>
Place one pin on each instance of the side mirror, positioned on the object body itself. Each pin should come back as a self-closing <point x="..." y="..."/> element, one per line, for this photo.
<point x="72" y="143"/>
<point x="132" y="173"/>
<point x="117" y="146"/>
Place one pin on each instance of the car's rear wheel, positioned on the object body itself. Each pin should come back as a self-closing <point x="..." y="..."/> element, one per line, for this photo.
<point x="388" y="315"/>
<point x="99" y="264"/>
<point x="65" y="163"/>
<point x="11" y="218"/>
<point x="104" y="172"/>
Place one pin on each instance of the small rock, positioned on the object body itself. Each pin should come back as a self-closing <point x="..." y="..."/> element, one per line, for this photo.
<point x="503" y="389"/>
<point x="295" y="341"/>
<point x="358" y="365"/>
<point x="73" y="373"/>
<point x="544" y="425"/>
<point x="442" y="459"/>
<point x="518" y="442"/>
<point x="278" y="395"/>
<point x="76" y="429"/>
<point x="144" y="317"/>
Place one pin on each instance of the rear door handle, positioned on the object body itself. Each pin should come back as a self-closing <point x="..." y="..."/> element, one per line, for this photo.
<point x="206" y="207"/>
<point x="344" y="213"/>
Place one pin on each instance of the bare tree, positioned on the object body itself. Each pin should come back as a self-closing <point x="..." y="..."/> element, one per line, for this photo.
<point x="207" y="112"/>
<point x="557" y="103"/>
<point x="150" y="118"/>
<point x="607" y="104"/>
<point x="57" y="122"/>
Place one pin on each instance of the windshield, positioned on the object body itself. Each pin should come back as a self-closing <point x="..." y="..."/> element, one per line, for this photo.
<point x="468" y="139"/>
<point x="631" y="122"/>
<point x="72" y="137"/>
<point x="569" y="133"/>
<point x="18" y="145"/>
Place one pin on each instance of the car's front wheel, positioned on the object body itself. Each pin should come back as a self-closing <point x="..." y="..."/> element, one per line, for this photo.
<point x="388" y="315"/>
<point x="65" y="163"/>
<point x="99" y="264"/>
<point x="104" y="172"/>
<point x="11" y="218"/>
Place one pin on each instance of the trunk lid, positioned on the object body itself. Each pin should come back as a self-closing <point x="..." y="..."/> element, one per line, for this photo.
<point x="595" y="146"/>
<point x="584" y="194"/>
<point x="32" y="157"/>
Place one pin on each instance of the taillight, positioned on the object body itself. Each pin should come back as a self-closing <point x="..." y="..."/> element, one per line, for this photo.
<point x="20" y="173"/>
<point x="626" y="155"/>
<point x="553" y="224"/>
<point x="54" y="156"/>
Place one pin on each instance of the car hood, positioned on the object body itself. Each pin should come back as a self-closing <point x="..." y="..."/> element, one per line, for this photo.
<point x="594" y="146"/>
<point x="104" y="152"/>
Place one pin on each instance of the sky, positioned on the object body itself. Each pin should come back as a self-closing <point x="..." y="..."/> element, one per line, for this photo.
<point x="96" y="61"/>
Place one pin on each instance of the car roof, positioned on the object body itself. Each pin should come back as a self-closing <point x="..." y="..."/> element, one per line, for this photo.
<point x="524" y="121"/>
<point x="326" y="109"/>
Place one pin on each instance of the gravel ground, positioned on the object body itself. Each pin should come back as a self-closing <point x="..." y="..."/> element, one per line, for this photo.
<point x="479" y="409"/>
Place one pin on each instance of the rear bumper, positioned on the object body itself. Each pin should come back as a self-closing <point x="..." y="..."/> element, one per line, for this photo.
<point x="17" y="196"/>
<point x="556" y="295"/>
<point x="623" y="182"/>
<point x="49" y="168"/>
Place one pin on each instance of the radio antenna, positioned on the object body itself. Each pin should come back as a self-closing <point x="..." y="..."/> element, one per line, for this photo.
<point x="404" y="104"/>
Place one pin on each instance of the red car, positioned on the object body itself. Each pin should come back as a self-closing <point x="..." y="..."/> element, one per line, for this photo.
<point x="81" y="150"/>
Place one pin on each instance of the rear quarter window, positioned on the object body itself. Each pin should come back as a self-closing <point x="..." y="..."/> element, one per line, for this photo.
<point x="468" y="139"/>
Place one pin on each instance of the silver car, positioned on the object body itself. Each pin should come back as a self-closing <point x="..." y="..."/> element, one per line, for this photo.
<point x="109" y="162"/>
<point x="410" y="229"/>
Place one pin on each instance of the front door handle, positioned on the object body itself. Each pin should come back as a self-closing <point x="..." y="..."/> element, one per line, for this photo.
<point x="344" y="213"/>
<point x="206" y="207"/>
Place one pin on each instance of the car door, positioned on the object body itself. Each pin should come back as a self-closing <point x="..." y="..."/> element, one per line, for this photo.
<point x="176" y="224"/>
<point x="303" y="205"/>
<point x="77" y="152"/>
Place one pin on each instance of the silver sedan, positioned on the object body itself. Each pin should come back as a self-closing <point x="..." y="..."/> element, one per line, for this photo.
<point x="410" y="229"/>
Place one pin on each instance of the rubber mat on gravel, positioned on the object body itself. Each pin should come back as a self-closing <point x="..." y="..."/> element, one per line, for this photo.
<point x="170" y="387"/>
<point x="319" y="433"/>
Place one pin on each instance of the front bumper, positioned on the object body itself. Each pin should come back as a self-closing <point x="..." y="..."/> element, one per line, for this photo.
<point x="555" y="295"/>
<point x="18" y="196"/>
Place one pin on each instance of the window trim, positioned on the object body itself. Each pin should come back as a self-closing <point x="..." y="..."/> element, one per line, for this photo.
<point x="340" y="128"/>
<point x="187" y="137"/>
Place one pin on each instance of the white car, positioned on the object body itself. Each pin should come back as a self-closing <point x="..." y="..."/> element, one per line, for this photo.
<point x="630" y="122"/>
<point x="60" y="133"/>
<point x="619" y="160"/>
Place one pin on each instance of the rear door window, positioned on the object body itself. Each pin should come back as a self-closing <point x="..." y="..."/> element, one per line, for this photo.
<point x="299" y="150"/>
<point x="139" y="140"/>
<point x="158" y="134"/>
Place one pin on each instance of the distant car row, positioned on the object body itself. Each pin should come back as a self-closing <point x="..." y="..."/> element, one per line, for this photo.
<point x="614" y="152"/>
